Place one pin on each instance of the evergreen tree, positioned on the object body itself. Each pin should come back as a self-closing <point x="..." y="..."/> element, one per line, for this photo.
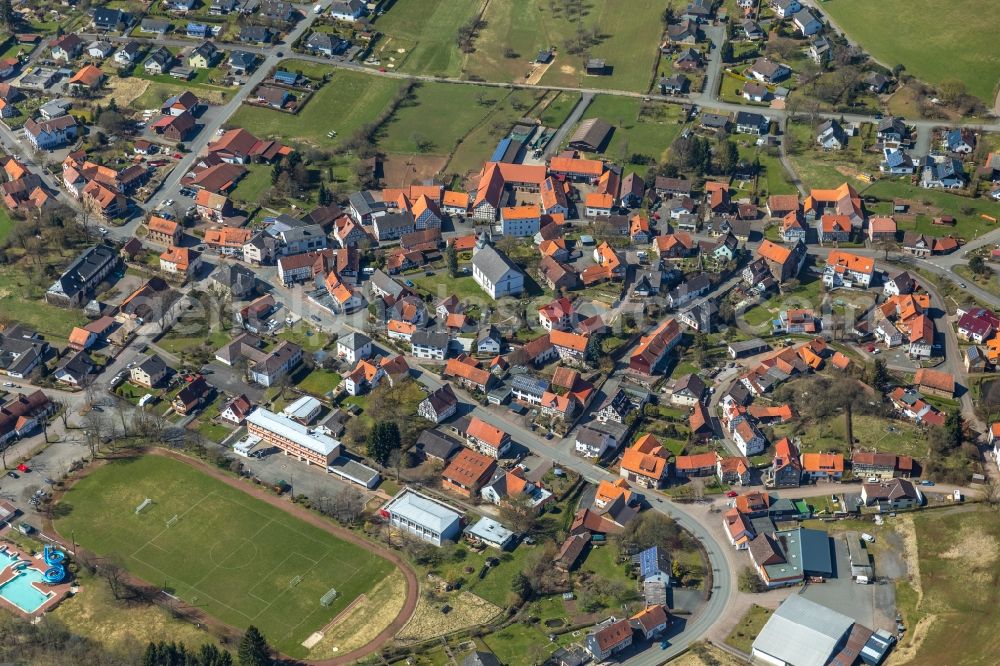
<point x="276" y="172"/>
<point x="382" y="441"/>
<point x="151" y="656"/>
<point x="727" y="52"/>
<point x="521" y="586"/>
<point x="7" y="16"/>
<point x="879" y="374"/>
<point x="254" y="650"/>
<point x="955" y="427"/>
<point x="323" y="196"/>
<point x="451" y="257"/>
<point x="593" y="351"/>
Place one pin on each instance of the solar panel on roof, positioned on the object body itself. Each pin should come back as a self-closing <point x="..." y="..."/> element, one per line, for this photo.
<point x="649" y="562"/>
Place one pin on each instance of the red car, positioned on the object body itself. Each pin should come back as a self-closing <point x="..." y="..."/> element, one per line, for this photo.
<point x="382" y="69"/>
<point x="23" y="468"/>
<point x="732" y="493"/>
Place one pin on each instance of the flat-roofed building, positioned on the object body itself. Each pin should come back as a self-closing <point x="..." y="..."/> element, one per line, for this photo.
<point x="423" y="517"/>
<point x="803" y="633"/>
<point x="861" y="564"/>
<point x="311" y="445"/>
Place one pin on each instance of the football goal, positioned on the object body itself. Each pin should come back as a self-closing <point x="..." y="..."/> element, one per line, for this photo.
<point x="173" y="521"/>
<point x="295" y="581"/>
<point x="146" y="502"/>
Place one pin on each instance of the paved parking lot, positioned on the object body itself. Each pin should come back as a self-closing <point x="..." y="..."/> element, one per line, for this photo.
<point x="871" y="605"/>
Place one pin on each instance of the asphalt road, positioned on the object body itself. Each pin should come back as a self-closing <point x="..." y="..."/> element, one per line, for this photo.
<point x="723" y="579"/>
<point x="58" y="455"/>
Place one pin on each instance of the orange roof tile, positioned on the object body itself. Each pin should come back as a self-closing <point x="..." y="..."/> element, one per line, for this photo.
<point x="609" y="491"/>
<point x="574" y="165"/>
<point x="852" y="262"/>
<point x="695" y="461"/>
<point x="935" y="379"/>
<point x="78" y="337"/>
<point x="836" y="223"/>
<point x="774" y="252"/>
<point x="456" y="199"/>
<point x="161" y="225"/>
<point x="403" y="327"/>
<point x="646" y="458"/>
<point x="179" y="256"/>
<point x="823" y="462"/>
<point x="456" y="368"/>
<point x="88" y="76"/>
<point x="521" y="212"/>
<point x="840" y="361"/>
<point x="568" y="340"/>
<point x="549" y="248"/>
<point x="598" y="200"/>
<point x="637" y="224"/>
<point x="882" y="225"/>
<point x="484" y="432"/>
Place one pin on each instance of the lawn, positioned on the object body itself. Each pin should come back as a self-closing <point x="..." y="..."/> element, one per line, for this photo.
<point x="646" y="128"/>
<point x="955" y="612"/>
<point x="965" y="210"/>
<point x="627" y="40"/>
<point x="520" y="644"/>
<point x="603" y="563"/>
<point x="253" y="185"/>
<point x="22" y="300"/>
<point x="178" y="344"/>
<point x="872" y="432"/>
<point x="357" y="98"/>
<point x="160" y="88"/>
<point x="319" y="381"/>
<point x="6" y="225"/>
<point x="477" y="146"/>
<point x="809" y="291"/>
<point x="988" y="283"/>
<point x="441" y="285"/>
<point x="827" y="169"/>
<point x="235" y="557"/>
<point x="749" y="626"/>
<point x="921" y="31"/>
<point x="438" y="117"/>
<point x="117" y="626"/>
<point x="773" y="178"/>
<point x="427" y="29"/>
<point x="559" y="108"/>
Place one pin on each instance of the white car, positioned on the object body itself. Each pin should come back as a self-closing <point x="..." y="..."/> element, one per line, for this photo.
<point x="867" y="537"/>
<point x="102" y="230"/>
<point x="168" y="202"/>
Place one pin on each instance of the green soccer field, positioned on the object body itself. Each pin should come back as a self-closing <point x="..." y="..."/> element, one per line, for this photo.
<point x="236" y="558"/>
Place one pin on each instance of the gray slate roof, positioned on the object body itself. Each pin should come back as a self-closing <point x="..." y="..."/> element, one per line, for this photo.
<point x="493" y="264"/>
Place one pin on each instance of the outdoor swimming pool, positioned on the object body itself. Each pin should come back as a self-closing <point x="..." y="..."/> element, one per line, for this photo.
<point x="21" y="590"/>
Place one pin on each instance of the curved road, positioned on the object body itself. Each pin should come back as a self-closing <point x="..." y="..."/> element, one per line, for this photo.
<point x="723" y="589"/>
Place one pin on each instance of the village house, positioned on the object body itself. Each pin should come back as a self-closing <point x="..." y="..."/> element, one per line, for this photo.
<point x="645" y="463"/>
<point x="822" y="466"/>
<point x="891" y="495"/>
<point x="467" y="473"/>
